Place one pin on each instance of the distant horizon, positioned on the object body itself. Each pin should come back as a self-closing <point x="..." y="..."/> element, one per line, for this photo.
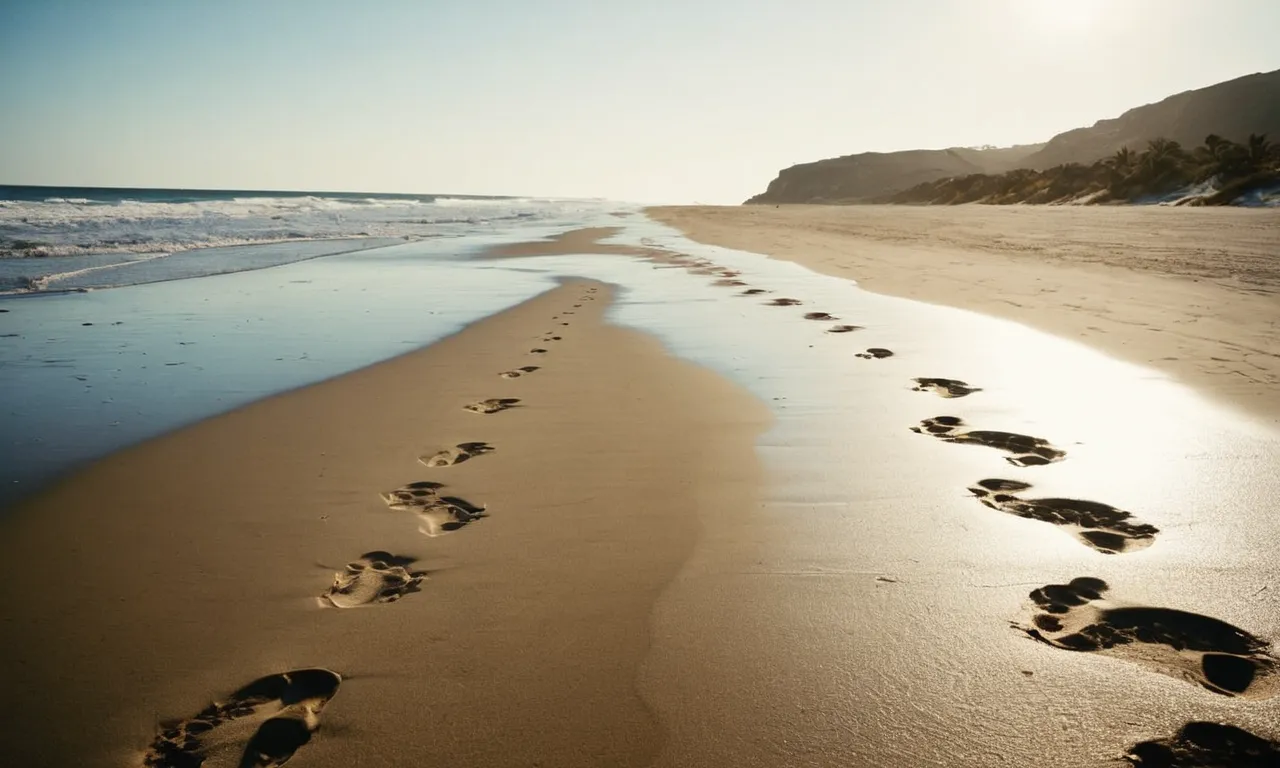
<point x="670" y="102"/>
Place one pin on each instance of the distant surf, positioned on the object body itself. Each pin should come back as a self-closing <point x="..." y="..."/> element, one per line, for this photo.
<point x="79" y="238"/>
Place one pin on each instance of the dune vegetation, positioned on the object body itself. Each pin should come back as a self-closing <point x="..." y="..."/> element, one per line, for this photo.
<point x="1219" y="172"/>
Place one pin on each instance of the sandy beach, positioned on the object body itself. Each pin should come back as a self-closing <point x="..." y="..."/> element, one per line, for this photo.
<point x="1195" y="292"/>
<point x="790" y="523"/>
<point x="198" y="557"/>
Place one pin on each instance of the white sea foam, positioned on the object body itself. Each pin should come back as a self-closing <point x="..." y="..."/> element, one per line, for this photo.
<point x="33" y="231"/>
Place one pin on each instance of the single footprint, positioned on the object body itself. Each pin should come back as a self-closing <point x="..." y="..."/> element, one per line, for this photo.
<point x="1201" y="649"/>
<point x="438" y="514"/>
<point x="1207" y="745"/>
<point x="729" y="273"/>
<point x="944" y="387"/>
<point x="783" y="302"/>
<point x="875" y="353"/>
<point x="1101" y="526"/>
<point x="518" y="372"/>
<point x="377" y="577"/>
<point x="265" y="723"/>
<point x="819" y="316"/>
<point x="844" y="328"/>
<point x="492" y="405"/>
<point x="753" y="292"/>
<point x="455" y="455"/>
<point x="728" y="282"/>
<point x="556" y="338"/>
<point x="537" y="351"/>
<point x="1027" y="451"/>
<point x="412" y="495"/>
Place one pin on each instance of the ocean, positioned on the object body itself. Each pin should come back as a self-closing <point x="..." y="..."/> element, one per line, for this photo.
<point x="77" y="238"/>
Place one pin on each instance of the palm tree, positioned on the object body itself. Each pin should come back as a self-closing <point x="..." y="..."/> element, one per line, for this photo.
<point x="1259" y="148"/>
<point x="1122" y="160"/>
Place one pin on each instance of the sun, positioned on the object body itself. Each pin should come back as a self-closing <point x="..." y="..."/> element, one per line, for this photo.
<point x="1063" y="16"/>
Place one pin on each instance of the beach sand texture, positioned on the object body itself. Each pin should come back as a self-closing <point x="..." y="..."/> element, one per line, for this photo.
<point x="546" y="540"/>
<point x="1195" y="292"/>
<point x="200" y="557"/>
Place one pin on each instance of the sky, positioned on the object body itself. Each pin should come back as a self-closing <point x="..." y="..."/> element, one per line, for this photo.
<point x="674" y="101"/>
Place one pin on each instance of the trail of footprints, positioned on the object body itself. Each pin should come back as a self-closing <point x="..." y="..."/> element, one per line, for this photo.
<point x="271" y="718"/>
<point x="263" y="724"/>
<point x="1076" y="616"/>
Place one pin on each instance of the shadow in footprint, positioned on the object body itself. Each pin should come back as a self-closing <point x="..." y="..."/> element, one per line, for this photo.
<point x="265" y="723"/>
<point x="944" y="387"/>
<point x="377" y="577"/>
<point x="728" y="283"/>
<point x="1028" y="451"/>
<point x="782" y="302"/>
<point x="1101" y="526"/>
<point x="819" y="316"/>
<point x="844" y="328"/>
<point x="411" y="495"/>
<point x="875" y="353"/>
<point x="537" y="351"/>
<point x="1204" y="650"/>
<point x="437" y="514"/>
<point x="753" y="292"/>
<point x="1207" y="745"/>
<point x="492" y="405"/>
<point x="456" y="455"/>
<point x="518" y="372"/>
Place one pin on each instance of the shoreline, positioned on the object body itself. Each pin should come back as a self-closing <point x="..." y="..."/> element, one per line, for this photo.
<point x="532" y="623"/>
<point x="1198" y="302"/>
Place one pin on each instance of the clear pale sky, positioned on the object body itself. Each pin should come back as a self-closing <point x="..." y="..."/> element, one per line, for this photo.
<point x="653" y="101"/>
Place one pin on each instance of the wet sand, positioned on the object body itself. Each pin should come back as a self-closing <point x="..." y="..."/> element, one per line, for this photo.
<point x="167" y="576"/>
<point x="1193" y="292"/>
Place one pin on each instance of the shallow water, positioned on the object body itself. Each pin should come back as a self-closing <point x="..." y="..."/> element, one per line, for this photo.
<point x="862" y="612"/>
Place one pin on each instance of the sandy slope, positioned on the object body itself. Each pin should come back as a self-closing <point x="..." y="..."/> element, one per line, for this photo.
<point x="1194" y="292"/>
<point x="166" y="576"/>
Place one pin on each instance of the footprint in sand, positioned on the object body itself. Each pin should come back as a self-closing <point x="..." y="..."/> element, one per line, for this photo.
<point x="263" y="724"/>
<point x="753" y="292"/>
<point x="784" y="302"/>
<point x="455" y="455"/>
<point x="1201" y="649"/>
<point x="1028" y="451"/>
<point x="1207" y="745"/>
<point x="492" y="405"/>
<point x="819" y="316"/>
<point x="518" y="372"/>
<point x="844" y="328"/>
<point x="1101" y="526"/>
<point x="727" y="282"/>
<point x="438" y="514"/>
<point x="411" y="495"/>
<point x="377" y="577"/>
<point x="875" y="353"/>
<point x="944" y="387"/>
<point x="538" y="351"/>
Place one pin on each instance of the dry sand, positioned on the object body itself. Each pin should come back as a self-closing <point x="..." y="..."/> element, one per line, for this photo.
<point x="166" y="576"/>
<point x="1193" y="292"/>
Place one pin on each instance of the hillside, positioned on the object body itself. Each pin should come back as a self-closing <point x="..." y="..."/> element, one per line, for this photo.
<point x="855" y="177"/>
<point x="1232" y="110"/>
<point x="1219" y="172"/>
